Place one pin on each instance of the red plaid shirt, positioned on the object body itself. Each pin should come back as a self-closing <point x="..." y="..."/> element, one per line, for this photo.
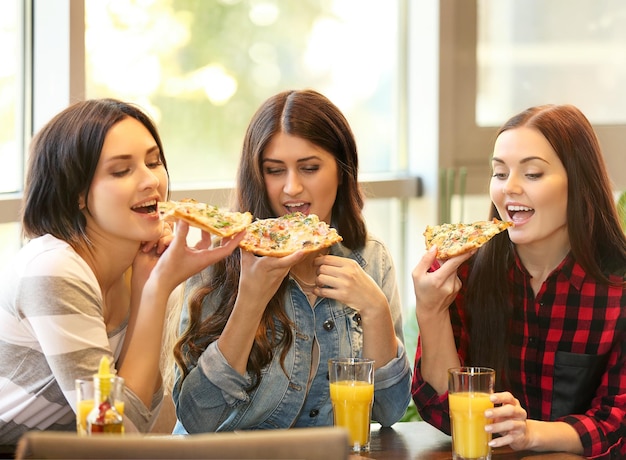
<point x="573" y="323"/>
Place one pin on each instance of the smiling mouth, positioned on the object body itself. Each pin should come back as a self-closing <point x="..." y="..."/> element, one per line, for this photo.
<point x="519" y="213"/>
<point x="148" y="207"/>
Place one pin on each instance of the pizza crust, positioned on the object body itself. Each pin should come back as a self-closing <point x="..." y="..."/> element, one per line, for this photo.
<point x="281" y="236"/>
<point x="456" y="239"/>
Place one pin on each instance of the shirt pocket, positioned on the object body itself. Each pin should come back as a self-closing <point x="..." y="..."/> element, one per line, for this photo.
<point x="576" y="378"/>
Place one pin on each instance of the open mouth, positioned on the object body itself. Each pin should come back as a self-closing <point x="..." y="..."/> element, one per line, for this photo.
<point x="519" y="213"/>
<point x="297" y="207"/>
<point x="146" y="208"/>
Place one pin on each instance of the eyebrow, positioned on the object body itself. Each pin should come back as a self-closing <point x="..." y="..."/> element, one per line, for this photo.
<point x="300" y="160"/>
<point x="524" y="160"/>
<point x="127" y="156"/>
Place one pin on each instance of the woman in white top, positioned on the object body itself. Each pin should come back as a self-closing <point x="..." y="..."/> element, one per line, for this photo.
<point x="96" y="173"/>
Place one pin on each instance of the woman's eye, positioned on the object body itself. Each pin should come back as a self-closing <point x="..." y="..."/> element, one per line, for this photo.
<point x="311" y="168"/>
<point x="120" y="173"/>
<point x="499" y="175"/>
<point x="273" y="171"/>
<point x="534" y="176"/>
<point x="155" y="164"/>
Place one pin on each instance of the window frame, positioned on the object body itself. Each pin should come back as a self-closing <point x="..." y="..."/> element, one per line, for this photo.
<point x="462" y="143"/>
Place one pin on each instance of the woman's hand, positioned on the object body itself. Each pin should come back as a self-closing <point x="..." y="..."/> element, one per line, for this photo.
<point x="434" y="293"/>
<point x="167" y="235"/>
<point x="149" y="254"/>
<point x="344" y="280"/>
<point x="517" y="431"/>
<point x="436" y="290"/>
<point x="509" y="420"/>
<point x="180" y="261"/>
<point x="261" y="276"/>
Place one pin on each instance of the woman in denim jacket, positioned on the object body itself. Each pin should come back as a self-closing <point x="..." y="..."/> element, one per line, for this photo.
<point x="257" y="332"/>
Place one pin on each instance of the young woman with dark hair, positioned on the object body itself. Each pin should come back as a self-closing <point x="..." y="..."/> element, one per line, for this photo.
<point x="542" y="303"/>
<point x="257" y="332"/>
<point x="95" y="277"/>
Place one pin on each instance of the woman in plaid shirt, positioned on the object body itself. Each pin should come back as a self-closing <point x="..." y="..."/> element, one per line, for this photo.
<point x="542" y="303"/>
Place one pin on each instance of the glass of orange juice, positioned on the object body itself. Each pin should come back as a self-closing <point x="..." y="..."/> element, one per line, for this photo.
<point x="352" y="395"/>
<point x="85" y="400"/>
<point x="469" y="389"/>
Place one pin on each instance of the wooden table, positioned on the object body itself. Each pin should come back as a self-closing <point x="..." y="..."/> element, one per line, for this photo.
<point x="419" y="440"/>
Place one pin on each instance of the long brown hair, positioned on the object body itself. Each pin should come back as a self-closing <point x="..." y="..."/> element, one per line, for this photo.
<point x="597" y="240"/>
<point x="311" y="116"/>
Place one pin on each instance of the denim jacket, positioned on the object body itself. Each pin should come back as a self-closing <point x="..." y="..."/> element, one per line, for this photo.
<point x="213" y="396"/>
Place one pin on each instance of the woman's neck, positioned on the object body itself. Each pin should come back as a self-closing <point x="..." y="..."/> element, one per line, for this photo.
<point x="541" y="260"/>
<point x="107" y="263"/>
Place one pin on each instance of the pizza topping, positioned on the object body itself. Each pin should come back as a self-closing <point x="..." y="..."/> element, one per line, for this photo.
<point x="287" y="234"/>
<point x="206" y="217"/>
<point x="456" y="239"/>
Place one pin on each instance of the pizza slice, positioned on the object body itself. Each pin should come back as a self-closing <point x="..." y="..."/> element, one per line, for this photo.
<point x="281" y="236"/>
<point x="205" y="216"/>
<point x="456" y="239"/>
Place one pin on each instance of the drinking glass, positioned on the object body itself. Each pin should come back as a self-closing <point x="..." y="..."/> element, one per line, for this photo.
<point x="469" y="389"/>
<point x="85" y="396"/>
<point x="352" y="395"/>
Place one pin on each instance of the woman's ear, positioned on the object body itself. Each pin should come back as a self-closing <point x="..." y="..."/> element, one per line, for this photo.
<point x="81" y="202"/>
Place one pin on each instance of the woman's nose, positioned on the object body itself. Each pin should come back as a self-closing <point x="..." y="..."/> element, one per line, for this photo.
<point x="150" y="179"/>
<point x="511" y="186"/>
<point x="292" y="186"/>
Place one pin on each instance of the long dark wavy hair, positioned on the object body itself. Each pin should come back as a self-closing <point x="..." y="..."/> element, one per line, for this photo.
<point x="62" y="162"/>
<point x="596" y="238"/>
<point x="311" y="116"/>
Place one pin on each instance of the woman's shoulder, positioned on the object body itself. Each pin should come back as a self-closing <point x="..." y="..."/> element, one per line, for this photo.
<point x="49" y="256"/>
<point x="373" y="247"/>
<point x="373" y="256"/>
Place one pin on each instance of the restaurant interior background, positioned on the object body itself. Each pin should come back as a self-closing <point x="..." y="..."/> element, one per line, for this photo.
<point x="424" y="84"/>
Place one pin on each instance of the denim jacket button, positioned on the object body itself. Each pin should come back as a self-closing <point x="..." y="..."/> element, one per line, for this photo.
<point x="329" y="325"/>
<point x="357" y="319"/>
<point x="314" y="413"/>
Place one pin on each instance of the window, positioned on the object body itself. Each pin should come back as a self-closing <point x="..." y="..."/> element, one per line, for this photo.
<point x="12" y="128"/>
<point x="503" y="56"/>
<point x="202" y="68"/>
<point x="11" y="95"/>
<point x="535" y="57"/>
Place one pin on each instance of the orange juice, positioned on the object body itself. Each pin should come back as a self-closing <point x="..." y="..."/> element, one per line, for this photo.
<point x="83" y="409"/>
<point x="467" y="413"/>
<point x="352" y="406"/>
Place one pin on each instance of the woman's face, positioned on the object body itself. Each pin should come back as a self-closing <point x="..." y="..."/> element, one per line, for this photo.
<point x="529" y="187"/>
<point x="299" y="176"/>
<point x="130" y="179"/>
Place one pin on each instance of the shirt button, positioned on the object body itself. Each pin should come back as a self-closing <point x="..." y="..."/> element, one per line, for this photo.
<point x="329" y="325"/>
<point x="314" y="413"/>
<point x="357" y="319"/>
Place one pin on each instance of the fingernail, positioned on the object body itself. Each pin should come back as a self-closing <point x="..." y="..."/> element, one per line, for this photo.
<point x="488" y="428"/>
<point x="488" y="414"/>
